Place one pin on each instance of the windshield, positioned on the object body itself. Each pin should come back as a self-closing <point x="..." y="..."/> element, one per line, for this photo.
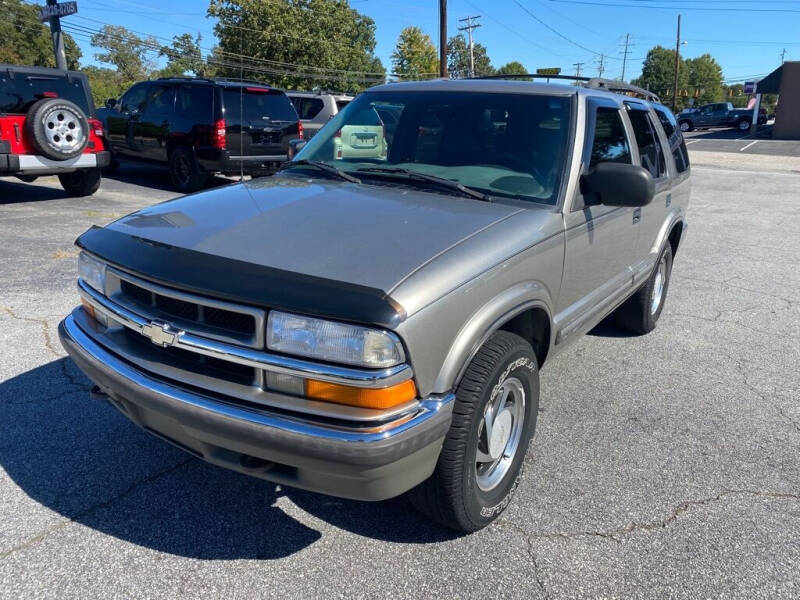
<point x="506" y="145"/>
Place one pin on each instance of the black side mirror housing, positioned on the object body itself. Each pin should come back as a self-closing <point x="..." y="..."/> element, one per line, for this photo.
<point x="111" y="103"/>
<point x="618" y="184"/>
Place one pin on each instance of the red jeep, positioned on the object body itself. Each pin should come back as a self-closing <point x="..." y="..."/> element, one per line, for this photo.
<point x="47" y="127"/>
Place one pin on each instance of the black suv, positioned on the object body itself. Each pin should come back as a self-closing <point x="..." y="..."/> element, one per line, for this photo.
<point x="202" y="126"/>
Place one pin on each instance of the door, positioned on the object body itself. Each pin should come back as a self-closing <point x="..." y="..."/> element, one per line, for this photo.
<point x="152" y="125"/>
<point x="118" y="123"/>
<point x="649" y="142"/>
<point x="600" y="240"/>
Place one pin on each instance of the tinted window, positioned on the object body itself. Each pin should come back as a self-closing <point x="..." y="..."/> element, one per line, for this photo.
<point x="195" y="103"/>
<point x="19" y="92"/>
<point x="161" y="100"/>
<point x="676" y="142"/>
<point x="609" y="143"/>
<point x="503" y="144"/>
<point x="650" y="153"/>
<point x="134" y="99"/>
<point x="340" y="104"/>
<point x="307" y="108"/>
<point x="257" y="105"/>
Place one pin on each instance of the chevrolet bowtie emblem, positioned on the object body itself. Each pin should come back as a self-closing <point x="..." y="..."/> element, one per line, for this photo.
<point x="160" y="334"/>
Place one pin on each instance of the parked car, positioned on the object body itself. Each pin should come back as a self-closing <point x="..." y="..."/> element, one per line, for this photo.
<point x="363" y="136"/>
<point x="201" y="126"/>
<point x="48" y="127"/>
<point x="719" y="114"/>
<point x="317" y="108"/>
<point x="374" y="325"/>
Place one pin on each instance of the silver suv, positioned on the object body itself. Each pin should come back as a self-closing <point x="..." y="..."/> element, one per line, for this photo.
<point x="370" y="325"/>
<point x="317" y="108"/>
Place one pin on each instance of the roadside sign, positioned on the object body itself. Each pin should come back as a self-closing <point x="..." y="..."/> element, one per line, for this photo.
<point x="549" y="71"/>
<point x="749" y="87"/>
<point x="57" y="10"/>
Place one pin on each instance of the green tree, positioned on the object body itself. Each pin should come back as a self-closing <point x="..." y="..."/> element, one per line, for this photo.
<point x="514" y="68"/>
<point x="296" y="43"/>
<point x="705" y="79"/>
<point x="24" y="40"/>
<point x="658" y="74"/>
<point x="184" y="56"/>
<point x="105" y="83"/>
<point x="129" y="53"/>
<point x="458" y="58"/>
<point x="414" y="57"/>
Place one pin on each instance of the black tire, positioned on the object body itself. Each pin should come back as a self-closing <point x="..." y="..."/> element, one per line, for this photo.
<point x="637" y="314"/>
<point x="57" y="128"/>
<point x="743" y="124"/>
<point x="184" y="172"/>
<point x="81" y="183"/>
<point x="452" y="495"/>
<point x="28" y="178"/>
<point x="685" y="125"/>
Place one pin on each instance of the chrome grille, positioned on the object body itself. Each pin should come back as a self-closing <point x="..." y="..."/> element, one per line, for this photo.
<point x="215" y="319"/>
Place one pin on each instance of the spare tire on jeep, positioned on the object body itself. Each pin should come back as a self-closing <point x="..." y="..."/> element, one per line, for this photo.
<point x="57" y="128"/>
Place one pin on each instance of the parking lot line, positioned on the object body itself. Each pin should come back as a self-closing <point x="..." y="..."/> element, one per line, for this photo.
<point x="692" y="142"/>
<point x="748" y="145"/>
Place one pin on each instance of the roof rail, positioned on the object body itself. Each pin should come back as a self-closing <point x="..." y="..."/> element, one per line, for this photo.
<point x="611" y="85"/>
<point x="211" y="79"/>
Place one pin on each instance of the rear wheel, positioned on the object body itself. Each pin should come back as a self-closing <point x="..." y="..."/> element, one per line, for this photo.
<point x="81" y="183"/>
<point x="185" y="173"/>
<point x="744" y="125"/>
<point x="685" y="126"/>
<point x="641" y="311"/>
<point x="494" y="419"/>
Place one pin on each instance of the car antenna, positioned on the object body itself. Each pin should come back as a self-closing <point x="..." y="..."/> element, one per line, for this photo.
<point x="241" y="106"/>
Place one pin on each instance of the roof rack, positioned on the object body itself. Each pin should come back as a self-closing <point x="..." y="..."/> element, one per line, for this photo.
<point x="590" y="82"/>
<point x="212" y="79"/>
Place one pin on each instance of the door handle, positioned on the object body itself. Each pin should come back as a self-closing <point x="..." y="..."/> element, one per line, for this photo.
<point x="637" y="215"/>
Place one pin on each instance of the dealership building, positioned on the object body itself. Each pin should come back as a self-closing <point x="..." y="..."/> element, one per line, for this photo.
<point x="784" y="81"/>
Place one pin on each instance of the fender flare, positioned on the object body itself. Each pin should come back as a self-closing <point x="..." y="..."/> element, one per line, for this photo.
<point x="484" y="322"/>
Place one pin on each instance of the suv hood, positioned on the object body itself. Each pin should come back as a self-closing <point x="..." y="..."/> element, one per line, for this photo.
<point x="367" y="235"/>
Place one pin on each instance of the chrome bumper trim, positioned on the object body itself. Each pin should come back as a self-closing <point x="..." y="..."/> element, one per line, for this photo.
<point x="365" y="378"/>
<point x="92" y="351"/>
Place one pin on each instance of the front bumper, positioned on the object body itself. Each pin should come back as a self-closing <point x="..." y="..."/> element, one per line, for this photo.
<point x="370" y="463"/>
<point x="31" y="164"/>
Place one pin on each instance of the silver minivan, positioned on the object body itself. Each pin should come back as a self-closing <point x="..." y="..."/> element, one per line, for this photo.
<point x="317" y="108"/>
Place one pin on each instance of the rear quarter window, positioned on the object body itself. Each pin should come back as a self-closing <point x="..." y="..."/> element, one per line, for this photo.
<point x="20" y="91"/>
<point x="677" y="145"/>
<point x="195" y="103"/>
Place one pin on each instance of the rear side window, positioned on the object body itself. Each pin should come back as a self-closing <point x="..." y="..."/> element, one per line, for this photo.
<point x="675" y="137"/>
<point x="195" y="103"/>
<point x="19" y="92"/>
<point x="340" y="104"/>
<point x="650" y="151"/>
<point x="257" y="106"/>
<point x="307" y="108"/>
<point x="609" y="143"/>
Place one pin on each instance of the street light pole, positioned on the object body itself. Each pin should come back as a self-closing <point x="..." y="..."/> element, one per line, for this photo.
<point x="443" y="39"/>
<point x="677" y="63"/>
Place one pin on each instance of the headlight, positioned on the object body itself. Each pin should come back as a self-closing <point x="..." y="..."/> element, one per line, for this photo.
<point x="331" y="341"/>
<point x="92" y="271"/>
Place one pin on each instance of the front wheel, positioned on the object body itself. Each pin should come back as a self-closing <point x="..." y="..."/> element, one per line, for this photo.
<point x="81" y="183"/>
<point x="744" y="125"/>
<point x="685" y="126"/>
<point x="494" y="418"/>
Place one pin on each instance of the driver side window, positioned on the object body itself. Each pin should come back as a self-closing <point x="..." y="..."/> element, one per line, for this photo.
<point x="134" y="99"/>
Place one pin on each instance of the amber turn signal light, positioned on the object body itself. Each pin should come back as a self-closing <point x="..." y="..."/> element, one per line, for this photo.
<point x="362" y="397"/>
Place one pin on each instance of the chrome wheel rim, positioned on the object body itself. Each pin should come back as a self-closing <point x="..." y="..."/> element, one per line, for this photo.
<point x="658" y="286"/>
<point x="63" y="130"/>
<point x="684" y="127"/>
<point x="499" y="433"/>
<point x="744" y="125"/>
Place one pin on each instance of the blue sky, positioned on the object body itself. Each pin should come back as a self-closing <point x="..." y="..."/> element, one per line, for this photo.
<point x="746" y="42"/>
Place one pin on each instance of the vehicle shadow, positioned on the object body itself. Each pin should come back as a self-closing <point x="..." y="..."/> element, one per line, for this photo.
<point x="85" y="461"/>
<point x="154" y="176"/>
<point x="608" y="328"/>
<point x="13" y="191"/>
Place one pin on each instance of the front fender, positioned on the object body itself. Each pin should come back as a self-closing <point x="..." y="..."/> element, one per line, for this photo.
<point x="485" y="321"/>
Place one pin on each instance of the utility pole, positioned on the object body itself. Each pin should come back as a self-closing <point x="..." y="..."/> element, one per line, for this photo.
<point x="625" y="54"/>
<point x="468" y="28"/>
<point x="578" y="66"/>
<point x="677" y="63"/>
<point x="601" y="65"/>
<point x="443" y="39"/>
<point x="783" y="54"/>
<point x="58" y="39"/>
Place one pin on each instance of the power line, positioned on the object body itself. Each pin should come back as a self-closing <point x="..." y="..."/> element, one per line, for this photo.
<point x="708" y="9"/>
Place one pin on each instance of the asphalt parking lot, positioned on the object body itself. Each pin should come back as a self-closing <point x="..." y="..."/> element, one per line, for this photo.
<point x="664" y="466"/>
<point x="732" y="140"/>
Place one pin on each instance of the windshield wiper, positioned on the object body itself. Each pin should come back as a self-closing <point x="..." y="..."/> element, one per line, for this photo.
<point x="442" y="181"/>
<point x="322" y="167"/>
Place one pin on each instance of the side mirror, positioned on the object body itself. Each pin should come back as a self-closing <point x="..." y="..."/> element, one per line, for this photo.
<point x="294" y="147"/>
<point x="618" y="184"/>
<point x="111" y="103"/>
